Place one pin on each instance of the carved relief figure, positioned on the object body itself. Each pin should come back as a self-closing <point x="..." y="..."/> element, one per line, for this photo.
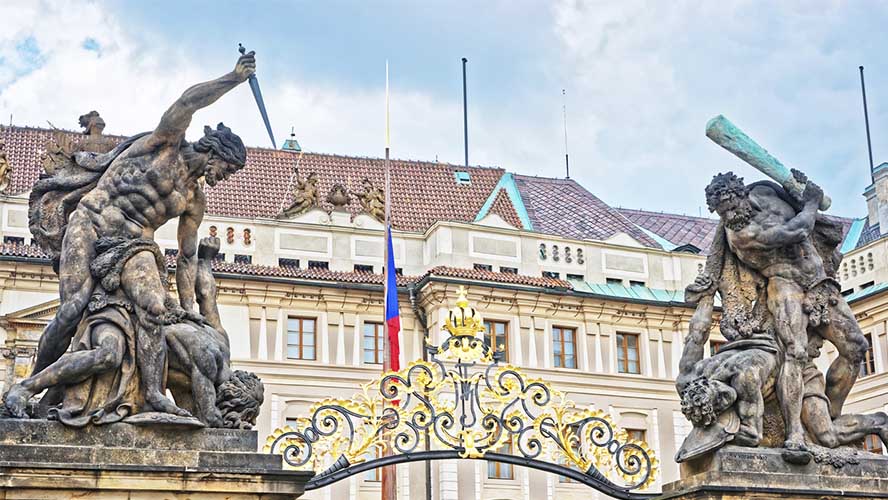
<point x="338" y="196"/>
<point x="305" y="196"/>
<point x="372" y="200"/>
<point x="5" y="168"/>
<point x="97" y="218"/>
<point x="59" y="153"/>
<point x="93" y="140"/>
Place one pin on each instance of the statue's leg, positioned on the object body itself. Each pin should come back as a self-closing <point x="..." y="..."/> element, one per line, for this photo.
<point x="141" y="283"/>
<point x="75" y="287"/>
<point x="750" y="408"/>
<point x="71" y="368"/>
<point x="785" y="303"/>
<point x="852" y="428"/>
<point x="845" y="334"/>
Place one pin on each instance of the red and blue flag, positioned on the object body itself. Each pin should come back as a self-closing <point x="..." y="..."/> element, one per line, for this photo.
<point x="392" y="314"/>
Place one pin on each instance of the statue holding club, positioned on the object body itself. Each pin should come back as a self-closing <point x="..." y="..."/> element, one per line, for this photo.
<point x="773" y="263"/>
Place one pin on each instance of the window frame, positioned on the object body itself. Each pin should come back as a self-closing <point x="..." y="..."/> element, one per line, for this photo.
<point x="623" y="347"/>
<point x="301" y="333"/>
<point x="868" y="363"/>
<point x="562" y="356"/>
<point x="501" y="471"/>
<point x="488" y="336"/>
<point x="378" y="340"/>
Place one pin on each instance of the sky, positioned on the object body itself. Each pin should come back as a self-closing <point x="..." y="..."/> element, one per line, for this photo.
<point x="641" y="79"/>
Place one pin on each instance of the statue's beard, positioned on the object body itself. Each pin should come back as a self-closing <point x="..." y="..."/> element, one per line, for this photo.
<point x="740" y="217"/>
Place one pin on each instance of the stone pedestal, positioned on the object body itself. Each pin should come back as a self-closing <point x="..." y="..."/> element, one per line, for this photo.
<point x="734" y="473"/>
<point x="42" y="460"/>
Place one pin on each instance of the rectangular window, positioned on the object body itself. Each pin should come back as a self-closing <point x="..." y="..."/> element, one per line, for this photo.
<point x="496" y="337"/>
<point x="301" y="338"/>
<point x="551" y="274"/>
<point x="171" y="252"/>
<point x="868" y="365"/>
<point x="15" y="240"/>
<point x="867" y="285"/>
<point x="636" y="283"/>
<point x="482" y="267"/>
<point x="564" y="341"/>
<point x="872" y="444"/>
<point x="398" y="271"/>
<point x="715" y="346"/>
<point x="373" y="475"/>
<point x="220" y="257"/>
<point x="294" y="263"/>
<point x="576" y="277"/>
<point x="847" y="292"/>
<point x="496" y="470"/>
<point x="363" y="268"/>
<point x="373" y="343"/>
<point x="627" y="353"/>
<point x="318" y="264"/>
<point x="614" y="281"/>
<point x="509" y="270"/>
<point x="243" y="259"/>
<point x="637" y="434"/>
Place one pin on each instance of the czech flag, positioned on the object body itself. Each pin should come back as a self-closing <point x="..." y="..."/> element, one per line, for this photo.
<point x="392" y="315"/>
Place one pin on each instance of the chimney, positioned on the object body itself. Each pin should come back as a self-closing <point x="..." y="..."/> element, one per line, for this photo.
<point x="877" y="198"/>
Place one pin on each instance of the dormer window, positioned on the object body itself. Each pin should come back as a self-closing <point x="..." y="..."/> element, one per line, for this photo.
<point x="462" y="178"/>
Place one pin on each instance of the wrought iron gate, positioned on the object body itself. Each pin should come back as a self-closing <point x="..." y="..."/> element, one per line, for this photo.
<point x="463" y="404"/>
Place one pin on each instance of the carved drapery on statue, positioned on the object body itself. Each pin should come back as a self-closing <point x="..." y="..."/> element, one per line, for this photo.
<point x="120" y="343"/>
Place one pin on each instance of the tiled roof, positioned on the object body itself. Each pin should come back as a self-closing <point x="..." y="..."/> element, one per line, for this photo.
<point x="422" y="192"/>
<point x="870" y="233"/>
<point x="480" y="275"/>
<point x="677" y="229"/>
<point x="686" y="229"/>
<point x="503" y="207"/>
<point x="563" y="207"/>
<point x="34" y="253"/>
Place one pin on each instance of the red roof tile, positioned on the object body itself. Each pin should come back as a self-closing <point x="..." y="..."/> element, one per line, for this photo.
<point x="34" y="253"/>
<point x="503" y="207"/>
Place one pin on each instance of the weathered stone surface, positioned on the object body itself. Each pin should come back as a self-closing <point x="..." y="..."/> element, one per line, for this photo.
<point x="51" y="433"/>
<point x="46" y="460"/>
<point x="735" y="472"/>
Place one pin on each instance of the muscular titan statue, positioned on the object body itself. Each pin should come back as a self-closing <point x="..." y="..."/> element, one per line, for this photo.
<point x="131" y="192"/>
<point x="771" y="236"/>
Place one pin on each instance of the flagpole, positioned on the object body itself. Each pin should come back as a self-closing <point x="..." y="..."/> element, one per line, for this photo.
<point x="389" y="486"/>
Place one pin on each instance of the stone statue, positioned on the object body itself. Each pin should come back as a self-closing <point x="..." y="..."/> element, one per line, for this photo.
<point x="338" y="196"/>
<point x="97" y="217"/>
<point x="93" y="140"/>
<point x="372" y="200"/>
<point x="773" y="263"/>
<point x="305" y="196"/>
<point x="59" y="153"/>
<point x="5" y="168"/>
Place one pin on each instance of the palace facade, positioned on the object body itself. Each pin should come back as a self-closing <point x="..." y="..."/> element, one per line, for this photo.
<point x="575" y="292"/>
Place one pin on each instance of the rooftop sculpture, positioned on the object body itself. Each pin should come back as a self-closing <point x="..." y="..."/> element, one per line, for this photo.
<point x="773" y="263"/>
<point x="95" y="212"/>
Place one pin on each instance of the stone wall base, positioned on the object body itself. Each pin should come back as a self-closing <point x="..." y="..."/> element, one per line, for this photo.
<point x="42" y="460"/>
<point x="735" y="473"/>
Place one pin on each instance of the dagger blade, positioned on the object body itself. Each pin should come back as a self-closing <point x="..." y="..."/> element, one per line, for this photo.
<point x="257" y="94"/>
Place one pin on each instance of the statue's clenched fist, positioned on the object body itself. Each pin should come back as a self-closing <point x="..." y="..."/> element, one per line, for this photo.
<point x="246" y="66"/>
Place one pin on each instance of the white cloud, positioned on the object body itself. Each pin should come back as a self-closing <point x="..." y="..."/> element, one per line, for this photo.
<point x="642" y="80"/>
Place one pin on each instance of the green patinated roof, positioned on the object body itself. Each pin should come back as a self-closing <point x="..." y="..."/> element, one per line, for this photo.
<point x="866" y="292"/>
<point x="635" y="292"/>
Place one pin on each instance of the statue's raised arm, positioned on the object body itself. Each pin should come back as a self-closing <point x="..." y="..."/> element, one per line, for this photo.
<point x="176" y="120"/>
